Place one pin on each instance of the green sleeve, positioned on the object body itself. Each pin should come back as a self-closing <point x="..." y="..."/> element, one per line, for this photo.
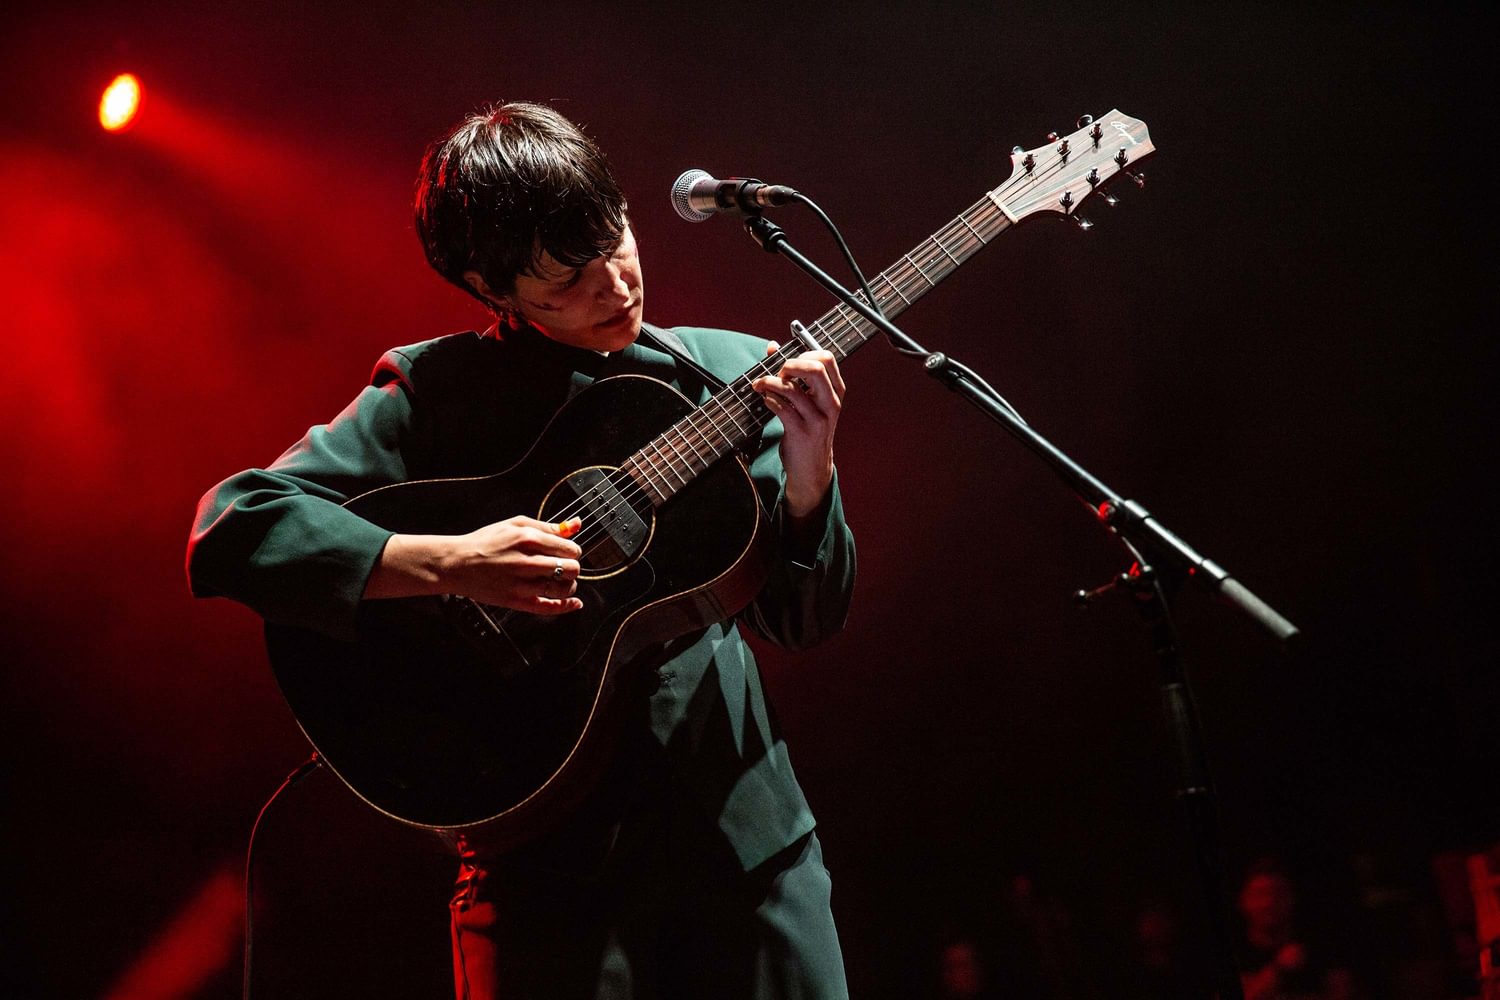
<point x="278" y="539"/>
<point x="806" y="597"/>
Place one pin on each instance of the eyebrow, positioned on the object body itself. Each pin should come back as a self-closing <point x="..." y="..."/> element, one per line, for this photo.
<point x="559" y="281"/>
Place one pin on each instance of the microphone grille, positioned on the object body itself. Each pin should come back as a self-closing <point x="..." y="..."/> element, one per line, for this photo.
<point x="682" y="190"/>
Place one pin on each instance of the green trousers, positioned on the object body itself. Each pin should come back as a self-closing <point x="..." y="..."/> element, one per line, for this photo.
<point x="658" y="917"/>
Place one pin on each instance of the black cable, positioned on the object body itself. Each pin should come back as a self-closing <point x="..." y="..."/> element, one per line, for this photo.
<point x="302" y="770"/>
<point x="963" y="370"/>
<point x="859" y="275"/>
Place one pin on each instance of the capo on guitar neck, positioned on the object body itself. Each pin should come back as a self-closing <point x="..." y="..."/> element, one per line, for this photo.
<point x="804" y="337"/>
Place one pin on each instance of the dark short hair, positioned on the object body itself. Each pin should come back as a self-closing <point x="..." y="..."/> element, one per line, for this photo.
<point x="508" y="184"/>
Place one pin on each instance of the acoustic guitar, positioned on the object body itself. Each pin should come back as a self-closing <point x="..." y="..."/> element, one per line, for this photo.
<point x="447" y="713"/>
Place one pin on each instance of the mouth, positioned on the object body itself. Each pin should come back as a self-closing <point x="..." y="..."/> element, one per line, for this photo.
<point x="623" y="316"/>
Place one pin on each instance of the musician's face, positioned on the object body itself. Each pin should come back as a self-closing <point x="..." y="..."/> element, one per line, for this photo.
<point x="597" y="306"/>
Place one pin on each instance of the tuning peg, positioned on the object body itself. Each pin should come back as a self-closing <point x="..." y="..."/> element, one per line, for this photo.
<point x="1066" y="201"/>
<point x="1139" y="178"/>
<point x="1110" y="199"/>
<point x="1093" y="177"/>
<point x="1084" y="120"/>
<point x="1082" y="223"/>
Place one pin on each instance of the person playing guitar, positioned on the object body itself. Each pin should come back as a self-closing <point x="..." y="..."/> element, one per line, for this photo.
<point x="682" y="862"/>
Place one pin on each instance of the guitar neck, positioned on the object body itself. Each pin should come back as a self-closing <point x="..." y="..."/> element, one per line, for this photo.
<point x="737" y="413"/>
<point x="842" y="331"/>
<point x="1052" y="179"/>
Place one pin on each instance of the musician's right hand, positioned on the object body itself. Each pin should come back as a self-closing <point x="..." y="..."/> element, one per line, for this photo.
<point x="519" y="563"/>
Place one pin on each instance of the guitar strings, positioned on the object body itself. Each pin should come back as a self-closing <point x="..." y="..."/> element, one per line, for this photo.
<point x="904" y="272"/>
<point x="695" y="428"/>
<point x="901" y="273"/>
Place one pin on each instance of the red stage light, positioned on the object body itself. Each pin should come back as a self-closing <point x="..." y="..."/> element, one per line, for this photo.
<point x="121" y="101"/>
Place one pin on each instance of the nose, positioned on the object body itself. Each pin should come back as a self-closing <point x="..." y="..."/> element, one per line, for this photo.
<point x="615" y="286"/>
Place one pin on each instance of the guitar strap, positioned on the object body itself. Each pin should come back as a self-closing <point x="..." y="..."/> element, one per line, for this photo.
<point x="672" y="344"/>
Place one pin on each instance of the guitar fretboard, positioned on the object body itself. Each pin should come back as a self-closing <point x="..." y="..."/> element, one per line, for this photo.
<point x="736" y="413"/>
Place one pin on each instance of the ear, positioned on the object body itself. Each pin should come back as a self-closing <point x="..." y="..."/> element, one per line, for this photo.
<point x="481" y="287"/>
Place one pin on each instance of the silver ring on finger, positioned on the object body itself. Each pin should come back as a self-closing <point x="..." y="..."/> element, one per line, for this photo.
<point x="557" y="569"/>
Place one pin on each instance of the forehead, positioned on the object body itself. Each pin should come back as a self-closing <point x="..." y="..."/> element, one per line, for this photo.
<point x="546" y="269"/>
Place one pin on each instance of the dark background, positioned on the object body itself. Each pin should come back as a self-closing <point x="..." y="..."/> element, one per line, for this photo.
<point x="1282" y="346"/>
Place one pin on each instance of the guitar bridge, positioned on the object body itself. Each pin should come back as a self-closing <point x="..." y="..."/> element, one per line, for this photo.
<point x="483" y="624"/>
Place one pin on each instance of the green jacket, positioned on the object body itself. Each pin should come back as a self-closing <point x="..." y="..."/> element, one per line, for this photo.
<point x="468" y="404"/>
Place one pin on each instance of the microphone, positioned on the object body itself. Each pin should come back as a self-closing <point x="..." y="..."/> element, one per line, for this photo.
<point x="697" y="196"/>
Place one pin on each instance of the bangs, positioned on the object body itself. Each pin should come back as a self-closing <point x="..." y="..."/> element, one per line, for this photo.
<point x="510" y="187"/>
<point x="581" y="233"/>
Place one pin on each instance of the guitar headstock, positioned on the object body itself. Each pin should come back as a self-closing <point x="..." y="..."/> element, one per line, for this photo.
<point x="1059" y="176"/>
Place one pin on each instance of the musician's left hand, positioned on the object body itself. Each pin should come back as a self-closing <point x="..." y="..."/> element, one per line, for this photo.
<point x="807" y="394"/>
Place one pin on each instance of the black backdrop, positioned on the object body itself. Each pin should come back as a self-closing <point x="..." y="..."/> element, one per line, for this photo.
<point x="1282" y="346"/>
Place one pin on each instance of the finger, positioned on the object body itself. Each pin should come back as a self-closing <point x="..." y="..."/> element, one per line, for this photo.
<point x="812" y="384"/>
<point x="784" y="398"/>
<point x="772" y="347"/>
<point x="785" y="407"/>
<point x="546" y="541"/>
<point x="819" y="362"/>
<point x="819" y="372"/>
<point x="549" y="605"/>
<point x="566" y="528"/>
<point x="817" y="390"/>
<point x="523" y="521"/>
<point x="558" y="588"/>
<point x="835" y="377"/>
<point x="553" y="568"/>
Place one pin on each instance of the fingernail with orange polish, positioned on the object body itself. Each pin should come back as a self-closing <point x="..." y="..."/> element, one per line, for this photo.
<point x="570" y="527"/>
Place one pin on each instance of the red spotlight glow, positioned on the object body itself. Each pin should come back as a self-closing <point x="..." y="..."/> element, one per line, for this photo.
<point x="121" y="101"/>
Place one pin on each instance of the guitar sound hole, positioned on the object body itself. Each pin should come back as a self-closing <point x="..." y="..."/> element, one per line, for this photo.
<point x="617" y="517"/>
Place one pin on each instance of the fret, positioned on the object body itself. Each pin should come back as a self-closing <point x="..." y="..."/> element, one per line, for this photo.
<point x="919" y="271"/>
<point x="678" y="455"/>
<point x="716" y="450"/>
<point x="896" y="288"/>
<point x="955" y="260"/>
<point x="633" y="469"/>
<point x="852" y="320"/>
<point x="834" y="340"/>
<point x="690" y="458"/>
<point x="686" y="438"/>
<point x="933" y="262"/>
<point x="666" y="451"/>
<point x="733" y="398"/>
<point x="747" y="411"/>
<point x="714" y="412"/>
<point x="994" y="217"/>
<point x="663" y="479"/>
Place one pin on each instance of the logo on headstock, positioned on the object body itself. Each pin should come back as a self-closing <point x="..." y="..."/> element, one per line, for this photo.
<point x="1125" y="131"/>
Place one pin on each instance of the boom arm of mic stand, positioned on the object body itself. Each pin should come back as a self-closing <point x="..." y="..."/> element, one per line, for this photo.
<point x="1126" y="518"/>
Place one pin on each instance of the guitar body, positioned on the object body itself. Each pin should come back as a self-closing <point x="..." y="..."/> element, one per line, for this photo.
<point x="448" y="714"/>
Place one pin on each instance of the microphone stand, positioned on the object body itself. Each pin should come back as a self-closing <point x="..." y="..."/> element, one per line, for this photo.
<point x="1162" y="560"/>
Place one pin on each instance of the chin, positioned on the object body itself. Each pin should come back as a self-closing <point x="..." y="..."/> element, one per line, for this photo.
<point x="618" y="340"/>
